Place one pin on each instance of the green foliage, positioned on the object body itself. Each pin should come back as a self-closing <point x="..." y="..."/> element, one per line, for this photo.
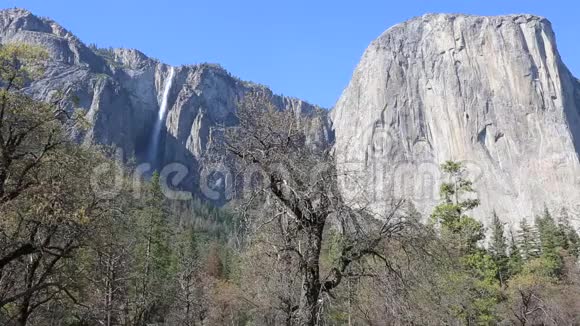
<point x="528" y="241"/>
<point x="542" y="266"/>
<point x="515" y="261"/>
<point x="551" y="236"/>
<point x="470" y="294"/>
<point x="20" y="63"/>
<point x="567" y="235"/>
<point x="498" y="249"/>
<point x="573" y="242"/>
<point x="462" y="231"/>
<point x="552" y="241"/>
<point x="478" y="273"/>
<point x="188" y="244"/>
<point x="47" y="206"/>
<point x="474" y="290"/>
<point x="498" y="244"/>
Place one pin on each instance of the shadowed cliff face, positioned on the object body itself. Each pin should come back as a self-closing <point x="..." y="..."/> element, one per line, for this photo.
<point x="492" y="91"/>
<point x="122" y="91"/>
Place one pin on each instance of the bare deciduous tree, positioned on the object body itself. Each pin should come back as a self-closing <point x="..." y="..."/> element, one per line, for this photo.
<point x="296" y="181"/>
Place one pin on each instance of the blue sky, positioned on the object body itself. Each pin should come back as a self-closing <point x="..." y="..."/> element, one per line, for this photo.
<point x="306" y="49"/>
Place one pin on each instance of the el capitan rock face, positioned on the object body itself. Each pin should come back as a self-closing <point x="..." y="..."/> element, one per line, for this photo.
<point x="492" y="91"/>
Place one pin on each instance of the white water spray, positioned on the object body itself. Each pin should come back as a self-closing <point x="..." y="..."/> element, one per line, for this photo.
<point x="166" y="88"/>
<point x="153" y="151"/>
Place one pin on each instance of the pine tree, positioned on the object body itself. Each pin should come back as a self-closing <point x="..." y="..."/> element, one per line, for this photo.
<point x="563" y="228"/>
<point x="156" y="260"/>
<point x="515" y="256"/>
<point x="574" y="242"/>
<point x="551" y="238"/>
<point x="189" y="295"/>
<point x="462" y="231"/>
<point x="568" y="233"/>
<point x="527" y="242"/>
<point x="498" y="248"/>
<point x="551" y="241"/>
<point x="462" y="234"/>
<point x="160" y="231"/>
<point x="498" y="245"/>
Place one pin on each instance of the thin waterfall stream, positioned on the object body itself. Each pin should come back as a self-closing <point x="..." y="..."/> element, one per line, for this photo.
<point x="156" y="135"/>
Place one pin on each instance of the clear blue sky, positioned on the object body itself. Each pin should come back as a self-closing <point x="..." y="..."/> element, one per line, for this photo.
<point x="306" y="49"/>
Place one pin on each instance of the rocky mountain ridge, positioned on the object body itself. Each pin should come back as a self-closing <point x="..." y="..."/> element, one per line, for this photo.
<point x="122" y="91"/>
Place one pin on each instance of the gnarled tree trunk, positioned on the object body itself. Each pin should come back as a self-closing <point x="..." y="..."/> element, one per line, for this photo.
<point x="307" y="314"/>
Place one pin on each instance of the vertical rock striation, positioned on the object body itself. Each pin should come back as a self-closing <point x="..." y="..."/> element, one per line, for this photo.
<point x="491" y="91"/>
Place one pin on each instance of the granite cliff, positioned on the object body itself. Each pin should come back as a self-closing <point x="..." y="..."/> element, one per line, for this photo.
<point x="490" y="91"/>
<point x="122" y="91"/>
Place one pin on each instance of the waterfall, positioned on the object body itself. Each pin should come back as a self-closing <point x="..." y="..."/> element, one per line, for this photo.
<point x="156" y="134"/>
<point x="166" y="88"/>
